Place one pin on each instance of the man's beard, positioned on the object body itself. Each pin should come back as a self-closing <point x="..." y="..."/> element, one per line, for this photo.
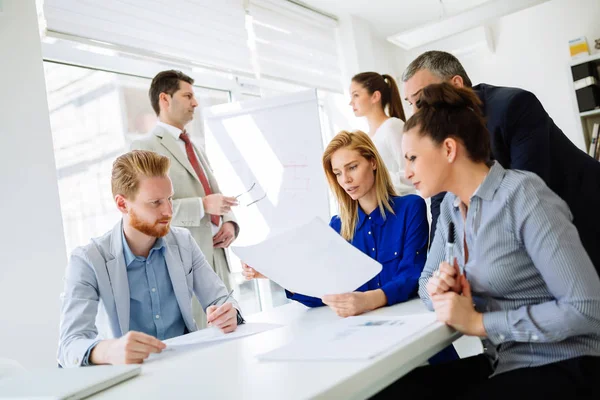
<point x="155" y="230"/>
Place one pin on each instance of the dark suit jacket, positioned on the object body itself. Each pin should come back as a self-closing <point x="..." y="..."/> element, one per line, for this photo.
<point x="523" y="136"/>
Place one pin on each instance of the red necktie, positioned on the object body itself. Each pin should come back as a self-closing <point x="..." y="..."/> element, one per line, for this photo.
<point x="191" y="154"/>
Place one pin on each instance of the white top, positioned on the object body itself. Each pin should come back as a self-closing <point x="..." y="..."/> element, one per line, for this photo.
<point x="388" y="140"/>
<point x="231" y="369"/>
<point x="175" y="132"/>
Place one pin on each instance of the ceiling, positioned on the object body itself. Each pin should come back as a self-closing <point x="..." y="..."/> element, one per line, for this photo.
<point x="388" y="17"/>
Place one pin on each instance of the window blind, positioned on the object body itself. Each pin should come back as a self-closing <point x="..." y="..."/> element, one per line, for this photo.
<point x="273" y="39"/>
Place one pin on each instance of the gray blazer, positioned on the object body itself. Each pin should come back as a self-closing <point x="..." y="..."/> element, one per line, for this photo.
<point x="97" y="290"/>
<point x="187" y="188"/>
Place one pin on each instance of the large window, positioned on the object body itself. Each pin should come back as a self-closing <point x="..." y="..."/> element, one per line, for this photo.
<point x="94" y="116"/>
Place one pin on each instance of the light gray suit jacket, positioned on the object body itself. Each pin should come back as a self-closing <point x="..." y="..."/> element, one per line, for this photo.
<point x="97" y="289"/>
<point x="187" y="188"/>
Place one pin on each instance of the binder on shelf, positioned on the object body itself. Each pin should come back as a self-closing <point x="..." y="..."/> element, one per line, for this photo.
<point x="594" y="148"/>
<point x="593" y="151"/>
<point x="585" y="82"/>
<point x="588" y="98"/>
<point x="596" y="129"/>
<point x="584" y="70"/>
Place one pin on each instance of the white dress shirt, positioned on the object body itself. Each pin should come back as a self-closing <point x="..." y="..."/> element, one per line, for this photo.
<point x="175" y="132"/>
<point x="388" y="141"/>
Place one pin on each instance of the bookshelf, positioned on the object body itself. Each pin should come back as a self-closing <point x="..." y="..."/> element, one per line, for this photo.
<point x="587" y="123"/>
<point x="592" y="57"/>
<point x="588" y="118"/>
<point x="589" y="113"/>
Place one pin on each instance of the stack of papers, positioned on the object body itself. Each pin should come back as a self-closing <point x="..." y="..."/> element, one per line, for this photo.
<point x="313" y="260"/>
<point x="353" y="338"/>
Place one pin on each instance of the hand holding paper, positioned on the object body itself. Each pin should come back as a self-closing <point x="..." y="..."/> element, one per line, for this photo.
<point x="311" y="259"/>
<point x="355" y="303"/>
<point x="250" y="273"/>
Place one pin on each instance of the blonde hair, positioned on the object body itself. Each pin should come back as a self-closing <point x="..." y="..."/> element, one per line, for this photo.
<point x="129" y="168"/>
<point x="384" y="189"/>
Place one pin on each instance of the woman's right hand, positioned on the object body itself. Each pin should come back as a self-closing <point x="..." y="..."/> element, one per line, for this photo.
<point x="250" y="273"/>
<point x="445" y="279"/>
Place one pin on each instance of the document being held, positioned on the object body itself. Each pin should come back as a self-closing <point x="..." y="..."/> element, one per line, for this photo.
<point x="313" y="260"/>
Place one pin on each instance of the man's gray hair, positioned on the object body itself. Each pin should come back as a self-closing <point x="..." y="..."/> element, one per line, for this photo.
<point x="443" y="65"/>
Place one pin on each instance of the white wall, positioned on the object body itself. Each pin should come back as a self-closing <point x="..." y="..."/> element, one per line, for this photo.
<point x="31" y="239"/>
<point x="360" y="50"/>
<point x="532" y="52"/>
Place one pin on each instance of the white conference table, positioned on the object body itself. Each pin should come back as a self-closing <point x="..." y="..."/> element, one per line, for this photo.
<point x="230" y="369"/>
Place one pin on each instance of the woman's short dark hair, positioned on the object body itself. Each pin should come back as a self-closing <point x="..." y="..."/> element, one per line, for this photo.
<point x="166" y="82"/>
<point x="448" y="111"/>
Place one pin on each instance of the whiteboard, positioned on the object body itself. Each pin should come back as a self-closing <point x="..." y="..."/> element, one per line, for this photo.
<point x="276" y="145"/>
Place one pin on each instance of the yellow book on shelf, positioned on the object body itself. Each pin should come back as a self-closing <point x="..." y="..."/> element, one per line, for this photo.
<point x="578" y="47"/>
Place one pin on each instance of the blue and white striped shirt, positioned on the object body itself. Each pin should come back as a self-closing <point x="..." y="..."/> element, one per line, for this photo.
<point x="529" y="273"/>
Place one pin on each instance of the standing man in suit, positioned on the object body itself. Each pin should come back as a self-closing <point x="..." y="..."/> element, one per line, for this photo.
<point x="139" y="277"/>
<point x="198" y="204"/>
<point x="523" y="136"/>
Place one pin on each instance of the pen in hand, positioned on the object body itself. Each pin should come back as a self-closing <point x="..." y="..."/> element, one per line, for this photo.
<point x="228" y="296"/>
<point x="224" y="301"/>
<point x="449" y="250"/>
<point x="450" y="245"/>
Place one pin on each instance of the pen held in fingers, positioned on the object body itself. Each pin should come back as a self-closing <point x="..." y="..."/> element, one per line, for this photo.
<point x="224" y="321"/>
<point x="220" y="309"/>
<point x="217" y="313"/>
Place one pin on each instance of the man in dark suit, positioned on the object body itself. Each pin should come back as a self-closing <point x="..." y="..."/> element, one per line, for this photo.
<point x="523" y="136"/>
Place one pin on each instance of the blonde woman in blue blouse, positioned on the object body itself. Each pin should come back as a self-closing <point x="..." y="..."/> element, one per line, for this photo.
<point x="389" y="228"/>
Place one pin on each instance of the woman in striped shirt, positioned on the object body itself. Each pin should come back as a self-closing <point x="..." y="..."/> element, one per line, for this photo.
<point x="521" y="279"/>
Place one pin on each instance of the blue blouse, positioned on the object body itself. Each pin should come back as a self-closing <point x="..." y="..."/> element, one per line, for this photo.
<point x="398" y="241"/>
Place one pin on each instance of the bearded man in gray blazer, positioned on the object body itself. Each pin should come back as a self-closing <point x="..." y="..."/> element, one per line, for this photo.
<point x="198" y="204"/>
<point x="130" y="289"/>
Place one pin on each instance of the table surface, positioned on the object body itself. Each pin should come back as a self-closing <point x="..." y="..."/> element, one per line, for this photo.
<point x="230" y="369"/>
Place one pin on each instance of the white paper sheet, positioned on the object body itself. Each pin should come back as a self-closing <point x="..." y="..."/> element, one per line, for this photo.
<point x="312" y="259"/>
<point x="213" y="334"/>
<point x="353" y="338"/>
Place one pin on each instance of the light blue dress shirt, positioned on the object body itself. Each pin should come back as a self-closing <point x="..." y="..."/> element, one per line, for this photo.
<point x="153" y="306"/>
